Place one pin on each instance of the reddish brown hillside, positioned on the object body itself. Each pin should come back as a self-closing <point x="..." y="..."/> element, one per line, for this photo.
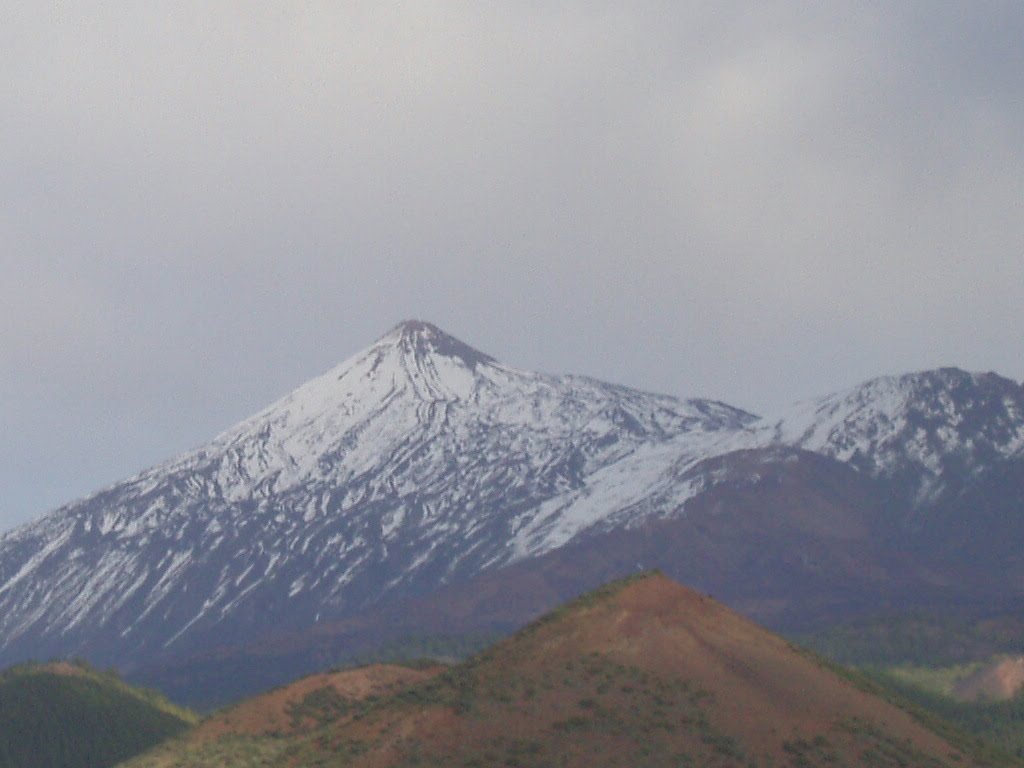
<point x="640" y="673"/>
<point x="648" y="672"/>
<point x="307" y="702"/>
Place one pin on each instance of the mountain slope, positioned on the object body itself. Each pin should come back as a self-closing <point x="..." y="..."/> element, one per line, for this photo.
<point x="786" y="536"/>
<point x="410" y="465"/>
<point x="644" y="672"/>
<point x="927" y="433"/>
<point x="69" y="716"/>
<point x="421" y="465"/>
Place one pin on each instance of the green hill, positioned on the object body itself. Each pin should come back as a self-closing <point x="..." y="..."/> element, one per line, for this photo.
<point x="71" y="716"/>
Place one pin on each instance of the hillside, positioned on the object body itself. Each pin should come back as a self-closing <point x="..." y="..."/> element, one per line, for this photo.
<point x="942" y="639"/>
<point x="643" y="672"/>
<point x="71" y="716"/>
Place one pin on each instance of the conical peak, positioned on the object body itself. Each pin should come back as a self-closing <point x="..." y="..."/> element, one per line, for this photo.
<point x="627" y="614"/>
<point x="407" y="327"/>
<point x="421" y="340"/>
<point x="650" y="592"/>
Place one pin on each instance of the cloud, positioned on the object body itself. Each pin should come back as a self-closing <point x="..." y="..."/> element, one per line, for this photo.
<point x="203" y="205"/>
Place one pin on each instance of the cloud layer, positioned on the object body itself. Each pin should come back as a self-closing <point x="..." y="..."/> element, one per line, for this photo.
<point x="202" y="206"/>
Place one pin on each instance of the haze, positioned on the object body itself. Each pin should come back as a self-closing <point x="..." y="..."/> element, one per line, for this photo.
<point x="205" y="205"/>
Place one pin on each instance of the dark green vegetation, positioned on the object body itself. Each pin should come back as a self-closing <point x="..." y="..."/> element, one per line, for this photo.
<point x="929" y="709"/>
<point x="921" y="639"/>
<point x="918" y="657"/>
<point x="609" y="710"/>
<point x="425" y="648"/>
<point x="999" y="724"/>
<point x="71" y="716"/>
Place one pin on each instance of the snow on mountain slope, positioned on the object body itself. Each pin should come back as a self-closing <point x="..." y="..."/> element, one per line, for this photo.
<point x="923" y="433"/>
<point x="421" y="462"/>
<point x="408" y="465"/>
<point x="923" y="430"/>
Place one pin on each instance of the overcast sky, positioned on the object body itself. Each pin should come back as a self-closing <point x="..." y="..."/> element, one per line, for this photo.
<point x="203" y="204"/>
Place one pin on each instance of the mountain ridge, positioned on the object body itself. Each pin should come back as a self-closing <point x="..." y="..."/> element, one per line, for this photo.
<point x="421" y="463"/>
<point x="915" y="416"/>
<point x="398" y="437"/>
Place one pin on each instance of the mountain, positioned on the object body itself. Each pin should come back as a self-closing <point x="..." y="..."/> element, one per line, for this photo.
<point x="414" y="463"/>
<point x="641" y="672"/>
<point x="70" y="716"/>
<point x="422" y="476"/>
<point x="946" y="449"/>
<point x="793" y="538"/>
<point x="925" y="433"/>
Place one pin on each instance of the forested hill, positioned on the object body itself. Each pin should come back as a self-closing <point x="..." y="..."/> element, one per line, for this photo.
<point x="72" y="716"/>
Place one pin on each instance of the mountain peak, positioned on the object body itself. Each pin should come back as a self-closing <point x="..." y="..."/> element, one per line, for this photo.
<point x="918" y="426"/>
<point x="421" y="339"/>
<point x="650" y="595"/>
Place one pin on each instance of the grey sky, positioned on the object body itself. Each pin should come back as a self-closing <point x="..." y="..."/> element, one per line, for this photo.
<point x="204" y="204"/>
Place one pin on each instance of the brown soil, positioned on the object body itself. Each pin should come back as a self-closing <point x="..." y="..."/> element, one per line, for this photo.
<point x="62" y="668"/>
<point x="757" y="692"/>
<point x="276" y="712"/>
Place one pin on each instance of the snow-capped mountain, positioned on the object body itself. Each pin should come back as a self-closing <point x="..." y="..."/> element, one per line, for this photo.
<point x="413" y="463"/>
<point x="927" y="433"/>
<point x="421" y="463"/>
